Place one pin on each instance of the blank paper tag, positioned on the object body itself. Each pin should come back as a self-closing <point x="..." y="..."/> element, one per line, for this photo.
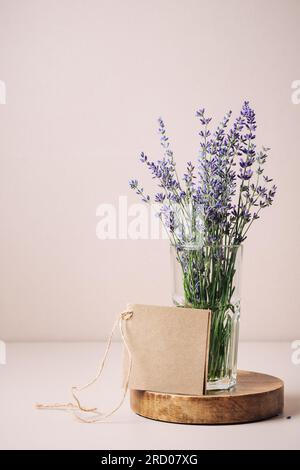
<point x="169" y="349"/>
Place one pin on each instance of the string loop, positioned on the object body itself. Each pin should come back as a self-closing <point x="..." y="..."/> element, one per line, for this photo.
<point x="77" y="407"/>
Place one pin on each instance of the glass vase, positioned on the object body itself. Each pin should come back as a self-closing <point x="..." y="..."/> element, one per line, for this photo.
<point x="209" y="277"/>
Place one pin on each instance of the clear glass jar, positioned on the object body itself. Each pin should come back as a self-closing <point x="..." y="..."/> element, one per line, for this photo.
<point x="209" y="277"/>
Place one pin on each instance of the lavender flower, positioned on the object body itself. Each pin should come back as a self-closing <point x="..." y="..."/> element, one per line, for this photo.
<point x="138" y="190"/>
<point x="228" y="192"/>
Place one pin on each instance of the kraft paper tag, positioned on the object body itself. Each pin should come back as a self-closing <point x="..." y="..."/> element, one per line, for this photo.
<point x="169" y="349"/>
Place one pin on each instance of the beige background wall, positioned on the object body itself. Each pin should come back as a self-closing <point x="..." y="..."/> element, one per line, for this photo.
<point x="86" y="80"/>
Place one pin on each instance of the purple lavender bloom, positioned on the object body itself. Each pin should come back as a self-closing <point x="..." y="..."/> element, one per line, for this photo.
<point x="246" y="174"/>
<point x="225" y="194"/>
<point x="138" y="190"/>
<point x="246" y="163"/>
<point x="267" y="179"/>
<point x="159" y="197"/>
<point x="143" y="157"/>
<point x="133" y="184"/>
<point x="200" y="112"/>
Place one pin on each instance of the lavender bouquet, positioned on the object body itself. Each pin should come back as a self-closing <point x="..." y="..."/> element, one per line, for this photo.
<point x="207" y="214"/>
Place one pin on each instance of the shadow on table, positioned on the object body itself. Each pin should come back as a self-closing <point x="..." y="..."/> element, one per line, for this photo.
<point x="291" y="405"/>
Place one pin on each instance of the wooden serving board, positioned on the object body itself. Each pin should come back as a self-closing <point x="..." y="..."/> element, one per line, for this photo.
<point x="255" y="397"/>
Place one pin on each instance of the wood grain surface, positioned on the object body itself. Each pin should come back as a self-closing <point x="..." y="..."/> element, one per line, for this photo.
<point x="255" y="397"/>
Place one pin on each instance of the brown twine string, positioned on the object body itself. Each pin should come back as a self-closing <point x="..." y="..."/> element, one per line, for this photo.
<point x="77" y="406"/>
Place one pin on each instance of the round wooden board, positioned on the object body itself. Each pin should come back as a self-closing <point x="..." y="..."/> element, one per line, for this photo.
<point x="255" y="397"/>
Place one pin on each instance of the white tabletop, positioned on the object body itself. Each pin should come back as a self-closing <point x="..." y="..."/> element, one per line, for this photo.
<point x="44" y="372"/>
